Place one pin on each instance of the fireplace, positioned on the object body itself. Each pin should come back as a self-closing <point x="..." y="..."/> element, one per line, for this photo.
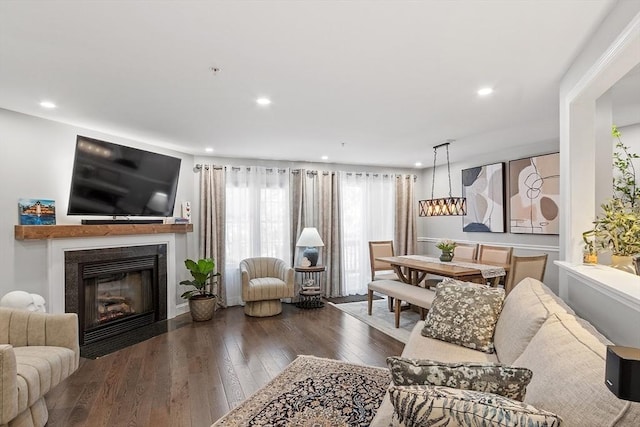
<point x="116" y="290"/>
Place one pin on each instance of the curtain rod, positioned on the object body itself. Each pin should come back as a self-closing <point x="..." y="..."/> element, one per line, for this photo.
<point x="199" y="166"/>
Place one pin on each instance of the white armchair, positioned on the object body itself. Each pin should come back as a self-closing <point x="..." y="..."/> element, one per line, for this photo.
<point x="264" y="282"/>
<point x="37" y="352"/>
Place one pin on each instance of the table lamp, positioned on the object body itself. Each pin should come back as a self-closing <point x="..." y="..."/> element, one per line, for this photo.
<point x="310" y="239"/>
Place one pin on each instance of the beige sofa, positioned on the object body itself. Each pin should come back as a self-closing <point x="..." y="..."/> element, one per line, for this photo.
<point x="537" y="330"/>
<point x="37" y="352"/>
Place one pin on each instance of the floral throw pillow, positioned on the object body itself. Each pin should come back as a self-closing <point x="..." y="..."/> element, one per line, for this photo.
<point x="507" y="381"/>
<point x="415" y="406"/>
<point x="464" y="315"/>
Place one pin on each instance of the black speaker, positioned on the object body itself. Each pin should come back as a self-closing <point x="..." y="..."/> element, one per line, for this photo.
<point x="622" y="373"/>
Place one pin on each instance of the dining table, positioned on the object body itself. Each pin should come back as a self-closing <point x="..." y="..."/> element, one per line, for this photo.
<point x="413" y="269"/>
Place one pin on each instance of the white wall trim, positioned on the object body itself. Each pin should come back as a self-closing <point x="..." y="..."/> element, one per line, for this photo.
<point x="182" y="308"/>
<point x="526" y="247"/>
<point x="618" y="285"/>
<point x="621" y="46"/>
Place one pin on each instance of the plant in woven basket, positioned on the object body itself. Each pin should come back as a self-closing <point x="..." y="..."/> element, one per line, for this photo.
<point x="203" y="275"/>
<point x="202" y="300"/>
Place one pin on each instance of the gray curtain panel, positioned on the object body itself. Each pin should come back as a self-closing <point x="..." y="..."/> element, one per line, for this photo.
<point x="297" y="196"/>
<point x="405" y="227"/>
<point x="315" y="203"/>
<point x="330" y="227"/>
<point x="212" y="219"/>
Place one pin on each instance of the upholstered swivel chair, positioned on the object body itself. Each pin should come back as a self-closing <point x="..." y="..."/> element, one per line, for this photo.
<point x="264" y="282"/>
<point x="523" y="267"/>
<point x="37" y="352"/>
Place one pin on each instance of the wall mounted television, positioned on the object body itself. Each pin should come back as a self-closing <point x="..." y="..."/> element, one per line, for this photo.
<point x="114" y="180"/>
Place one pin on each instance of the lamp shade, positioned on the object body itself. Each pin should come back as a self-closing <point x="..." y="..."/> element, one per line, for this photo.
<point x="309" y="238"/>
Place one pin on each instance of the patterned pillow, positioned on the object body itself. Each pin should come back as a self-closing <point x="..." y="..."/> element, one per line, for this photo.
<point x="507" y="381"/>
<point x="464" y="315"/>
<point x="415" y="406"/>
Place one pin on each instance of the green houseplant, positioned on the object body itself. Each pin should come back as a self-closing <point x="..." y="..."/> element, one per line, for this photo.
<point x="617" y="228"/>
<point x="202" y="301"/>
<point x="446" y="246"/>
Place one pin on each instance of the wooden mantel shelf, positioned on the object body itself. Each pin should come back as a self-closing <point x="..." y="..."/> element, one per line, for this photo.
<point x="43" y="232"/>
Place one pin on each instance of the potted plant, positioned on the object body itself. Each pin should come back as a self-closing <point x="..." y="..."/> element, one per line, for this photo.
<point x="446" y="246"/>
<point x="589" y="253"/>
<point x="618" y="227"/>
<point x="202" y="301"/>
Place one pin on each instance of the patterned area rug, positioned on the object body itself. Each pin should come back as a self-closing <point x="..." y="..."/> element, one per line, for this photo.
<point x="382" y="319"/>
<point x="317" y="392"/>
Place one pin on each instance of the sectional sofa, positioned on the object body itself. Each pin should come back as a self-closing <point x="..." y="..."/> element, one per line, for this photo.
<point x="566" y="354"/>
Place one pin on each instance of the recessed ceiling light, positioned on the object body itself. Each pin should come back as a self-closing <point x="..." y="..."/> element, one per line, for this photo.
<point x="263" y="101"/>
<point x="485" y="91"/>
<point x="47" y="104"/>
<point x="418" y="164"/>
<point x="209" y="150"/>
<point x="325" y="157"/>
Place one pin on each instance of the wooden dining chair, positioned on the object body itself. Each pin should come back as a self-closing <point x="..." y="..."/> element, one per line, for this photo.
<point x="465" y="252"/>
<point x="523" y="267"/>
<point x="495" y="254"/>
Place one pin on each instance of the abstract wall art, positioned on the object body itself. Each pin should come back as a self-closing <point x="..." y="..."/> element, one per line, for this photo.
<point x="534" y="191"/>
<point x="483" y="186"/>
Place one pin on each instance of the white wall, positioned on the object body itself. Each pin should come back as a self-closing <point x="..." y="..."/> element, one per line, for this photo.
<point x="608" y="56"/>
<point x="432" y="229"/>
<point x="36" y="159"/>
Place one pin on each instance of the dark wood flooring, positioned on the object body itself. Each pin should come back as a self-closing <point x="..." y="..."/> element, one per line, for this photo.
<point x="195" y="373"/>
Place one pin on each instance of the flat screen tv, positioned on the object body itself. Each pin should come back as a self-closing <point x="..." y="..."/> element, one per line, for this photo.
<point x="114" y="180"/>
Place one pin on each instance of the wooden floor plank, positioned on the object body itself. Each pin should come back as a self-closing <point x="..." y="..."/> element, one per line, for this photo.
<point x="193" y="374"/>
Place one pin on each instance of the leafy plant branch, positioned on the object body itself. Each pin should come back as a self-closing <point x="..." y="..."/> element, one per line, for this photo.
<point x="624" y="185"/>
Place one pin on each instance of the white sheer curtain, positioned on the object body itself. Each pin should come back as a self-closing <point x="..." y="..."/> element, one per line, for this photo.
<point x="257" y="220"/>
<point x="368" y="213"/>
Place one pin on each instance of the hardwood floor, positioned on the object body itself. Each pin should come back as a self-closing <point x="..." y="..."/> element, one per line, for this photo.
<point x="195" y="373"/>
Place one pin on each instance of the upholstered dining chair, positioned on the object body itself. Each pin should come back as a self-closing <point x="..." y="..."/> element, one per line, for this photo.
<point x="382" y="270"/>
<point x="495" y="254"/>
<point x="381" y="248"/>
<point x="523" y="267"/>
<point x="264" y="282"/>
<point x="465" y="252"/>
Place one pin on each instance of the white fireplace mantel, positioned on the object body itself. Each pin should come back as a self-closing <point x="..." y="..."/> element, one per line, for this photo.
<point x="56" y="249"/>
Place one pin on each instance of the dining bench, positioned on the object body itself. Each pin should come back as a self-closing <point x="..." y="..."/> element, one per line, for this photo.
<point x="399" y="291"/>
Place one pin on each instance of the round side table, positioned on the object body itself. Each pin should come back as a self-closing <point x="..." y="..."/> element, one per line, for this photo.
<point x="310" y="295"/>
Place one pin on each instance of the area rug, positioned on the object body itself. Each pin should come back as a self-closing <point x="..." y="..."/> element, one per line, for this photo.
<point x="350" y="298"/>
<point x="313" y="391"/>
<point x="381" y="318"/>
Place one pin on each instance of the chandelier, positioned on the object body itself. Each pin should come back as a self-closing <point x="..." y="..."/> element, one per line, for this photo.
<point x="446" y="206"/>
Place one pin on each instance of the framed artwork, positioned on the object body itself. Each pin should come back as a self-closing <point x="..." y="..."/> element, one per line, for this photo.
<point x="37" y="212"/>
<point x="534" y="191"/>
<point x="483" y="187"/>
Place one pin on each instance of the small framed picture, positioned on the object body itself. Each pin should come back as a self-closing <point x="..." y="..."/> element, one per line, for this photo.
<point x="37" y="212"/>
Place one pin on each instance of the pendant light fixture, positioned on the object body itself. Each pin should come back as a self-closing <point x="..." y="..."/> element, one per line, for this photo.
<point x="446" y="206"/>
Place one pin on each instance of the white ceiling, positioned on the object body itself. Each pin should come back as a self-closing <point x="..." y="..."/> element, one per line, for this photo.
<point x="388" y="79"/>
